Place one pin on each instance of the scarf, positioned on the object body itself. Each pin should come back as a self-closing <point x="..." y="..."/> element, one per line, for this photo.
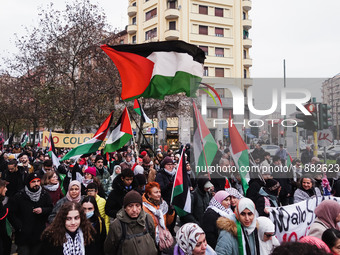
<point x="69" y="198"/>
<point x="243" y="238"/>
<point x="327" y="212"/>
<point x="34" y="196"/>
<point x="234" y="192"/>
<point x="266" y="226"/>
<point x="51" y="187"/>
<point x="159" y="214"/>
<point x="76" y="246"/>
<point x="170" y="173"/>
<point x="272" y="198"/>
<point x="220" y="209"/>
<point x="187" y="237"/>
<point x="87" y="182"/>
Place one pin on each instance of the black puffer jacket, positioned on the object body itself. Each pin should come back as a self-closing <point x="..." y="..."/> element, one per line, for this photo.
<point x="166" y="182"/>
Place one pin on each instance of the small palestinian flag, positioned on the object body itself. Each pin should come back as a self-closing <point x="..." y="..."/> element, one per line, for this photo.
<point x="51" y="151"/>
<point x="139" y="110"/>
<point x="180" y="197"/>
<point x="24" y="140"/>
<point x="157" y="69"/>
<point x="120" y="135"/>
<point x="94" y="143"/>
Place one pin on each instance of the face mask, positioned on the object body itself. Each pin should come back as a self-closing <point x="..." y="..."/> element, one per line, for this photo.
<point x="89" y="214"/>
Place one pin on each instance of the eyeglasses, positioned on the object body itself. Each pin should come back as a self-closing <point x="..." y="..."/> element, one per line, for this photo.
<point x="269" y="235"/>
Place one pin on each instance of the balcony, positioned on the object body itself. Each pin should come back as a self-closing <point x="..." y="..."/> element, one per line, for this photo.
<point x="247" y="43"/>
<point x="247" y="23"/>
<point x="171" y="13"/>
<point x="131" y="29"/>
<point x="246" y="5"/>
<point x="247" y="62"/>
<point x="171" y="35"/>
<point x="132" y="10"/>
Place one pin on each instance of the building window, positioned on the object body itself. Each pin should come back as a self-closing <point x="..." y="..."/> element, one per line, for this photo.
<point x="218" y="12"/>
<point x="219" y="52"/>
<point x="206" y="71"/>
<point x="212" y="113"/>
<point x="134" y="4"/>
<point x="151" y="14"/>
<point x="151" y="34"/>
<point x="219" y="32"/>
<point x="220" y="92"/>
<point x="134" y="20"/>
<point x="245" y="34"/>
<point x="172" y="25"/>
<point x="134" y="39"/>
<point x="245" y="92"/>
<point x="245" y="73"/>
<point x="203" y="30"/>
<point x="244" y="15"/>
<point x="244" y="54"/>
<point x="203" y="9"/>
<point x="204" y="48"/>
<point x="172" y="4"/>
<point x="219" y="72"/>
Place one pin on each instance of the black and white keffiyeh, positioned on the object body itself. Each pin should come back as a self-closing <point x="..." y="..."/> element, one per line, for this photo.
<point x="220" y="209"/>
<point x="76" y="246"/>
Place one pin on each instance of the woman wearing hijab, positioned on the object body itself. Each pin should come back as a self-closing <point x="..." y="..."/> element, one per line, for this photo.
<point x="235" y="196"/>
<point x="69" y="234"/>
<point x="307" y="189"/>
<point x="327" y="216"/>
<point x="73" y="195"/>
<point x="219" y="206"/>
<point x="240" y="236"/>
<point x="191" y="240"/>
<point x="268" y="196"/>
<point x="266" y="234"/>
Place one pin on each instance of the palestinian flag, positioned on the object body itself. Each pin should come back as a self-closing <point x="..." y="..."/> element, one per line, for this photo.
<point x="205" y="147"/>
<point x="157" y="69"/>
<point x="94" y="143"/>
<point x="289" y="160"/>
<point x="180" y="197"/>
<point x="139" y="110"/>
<point x="24" y="140"/>
<point x="51" y="151"/>
<point x="121" y="133"/>
<point x="239" y="153"/>
<point x="9" y="141"/>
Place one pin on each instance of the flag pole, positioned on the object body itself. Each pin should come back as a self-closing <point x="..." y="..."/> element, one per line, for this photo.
<point x="201" y="138"/>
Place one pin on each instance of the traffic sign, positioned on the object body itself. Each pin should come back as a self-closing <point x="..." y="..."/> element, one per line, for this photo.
<point x="325" y="137"/>
<point x="153" y="130"/>
<point x="163" y="124"/>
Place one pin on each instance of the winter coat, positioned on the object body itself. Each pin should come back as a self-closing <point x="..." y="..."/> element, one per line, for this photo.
<point x="100" y="235"/>
<point x="210" y="228"/>
<point x="264" y="200"/>
<point x="5" y="240"/>
<point x="166" y="182"/>
<point x="168" y="218"/>
<point x="115" y="200"/>
<point x="317" y="228"/>
<point x="55" y="195"/>
<point x="16" y="181"/>
<point x="47" y="247"/>
<point x="199" y="203"/>
<point x="144" y="244"/>
<point x="101" y="202"/>
<point x="300" y="195"/>
<point x="254" y="188"/>
<point x="57" y="207"/>
<point x="28" y="225"/>
<point x="104" y="177"/>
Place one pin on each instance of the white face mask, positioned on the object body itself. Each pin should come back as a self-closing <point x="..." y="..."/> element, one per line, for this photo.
<point x="89" y="214"/>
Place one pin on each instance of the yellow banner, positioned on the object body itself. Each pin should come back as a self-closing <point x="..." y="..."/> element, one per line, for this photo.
<point x="66" y="140"/>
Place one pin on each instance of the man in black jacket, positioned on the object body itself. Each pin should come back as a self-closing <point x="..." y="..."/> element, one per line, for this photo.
<point x="30" y="209"/>
<point x="121" y="185"/>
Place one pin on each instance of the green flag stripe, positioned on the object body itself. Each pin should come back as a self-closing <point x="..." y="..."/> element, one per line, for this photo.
<point x="178" y="190"/>
<point x="118" y="143"/>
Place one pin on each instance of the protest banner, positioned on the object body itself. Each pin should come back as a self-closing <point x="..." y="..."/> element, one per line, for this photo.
<point x="293" y="221"/>
<point x="66" y="140"/>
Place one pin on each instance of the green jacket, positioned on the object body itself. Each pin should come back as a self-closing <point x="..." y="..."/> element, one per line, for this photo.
<point x="144" y="244"/>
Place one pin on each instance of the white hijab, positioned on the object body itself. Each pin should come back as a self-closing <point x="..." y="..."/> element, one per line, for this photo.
<point x="246" y="203"/>
<point x="266" y="226"/>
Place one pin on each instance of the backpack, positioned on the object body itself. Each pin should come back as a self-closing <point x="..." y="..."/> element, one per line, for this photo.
<point x="128" y="237"/>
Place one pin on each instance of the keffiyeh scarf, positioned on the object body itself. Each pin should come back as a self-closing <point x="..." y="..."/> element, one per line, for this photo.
<point x="220" y="209"/>
<point x="76" y="246"/>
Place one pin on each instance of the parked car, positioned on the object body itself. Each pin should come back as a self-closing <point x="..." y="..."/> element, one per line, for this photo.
<point x="271" y="148"/>
<point x="333" y="153"/>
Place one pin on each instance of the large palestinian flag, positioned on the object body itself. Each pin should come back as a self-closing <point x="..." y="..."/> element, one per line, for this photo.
<point x="94" y="143"/>
<point x="205" y="147"/>
<point x="239" y="152"/>
<point x="157" y="69"/>
<point x="180" y="197"/>
<point x="120" y="135"/>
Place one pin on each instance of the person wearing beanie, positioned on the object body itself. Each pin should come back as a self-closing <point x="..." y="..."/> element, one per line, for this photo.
<point x="90" y="177"/>
<point x="30" y="209"/>
<point x="138" y="236"/>
<point x="268" y="197"/>
<point x="102" y="174"/>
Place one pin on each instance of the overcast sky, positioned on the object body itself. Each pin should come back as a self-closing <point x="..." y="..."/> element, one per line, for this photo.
<point x="304" y="32"/>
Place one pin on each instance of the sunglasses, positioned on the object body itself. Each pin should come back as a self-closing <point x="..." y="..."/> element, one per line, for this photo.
<point x="269" y="235"/>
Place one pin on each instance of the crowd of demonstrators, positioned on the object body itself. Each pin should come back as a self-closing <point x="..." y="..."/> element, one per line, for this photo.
<point x="133" y="191"/>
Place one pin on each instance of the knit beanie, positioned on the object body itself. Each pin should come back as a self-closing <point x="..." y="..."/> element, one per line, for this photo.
<point x="132" y="197"/>
<point x="31" y="177"/>
<point x="166" y="160"/>
<point x="91" y="170"/>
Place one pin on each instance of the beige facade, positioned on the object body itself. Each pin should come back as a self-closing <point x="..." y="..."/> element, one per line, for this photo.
<point x="218" y="27"/>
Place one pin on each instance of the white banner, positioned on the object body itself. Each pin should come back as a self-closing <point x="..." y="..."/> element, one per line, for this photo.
<point x="293" y="221"/>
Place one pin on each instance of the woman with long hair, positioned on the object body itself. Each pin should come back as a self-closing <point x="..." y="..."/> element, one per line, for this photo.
<point x="90" y="207"/>
<point x="69" y="234"/>
<point x="51" y="184"/>
<point x="306" y="190"/>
